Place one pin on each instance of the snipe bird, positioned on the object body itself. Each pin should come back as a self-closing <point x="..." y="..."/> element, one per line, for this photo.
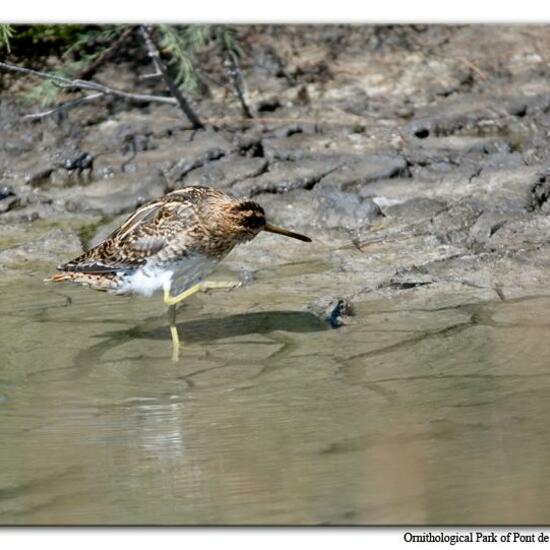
<point x="178" y="238"/>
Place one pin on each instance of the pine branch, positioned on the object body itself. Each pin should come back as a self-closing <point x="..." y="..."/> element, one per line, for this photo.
<point x="154" y="54"/>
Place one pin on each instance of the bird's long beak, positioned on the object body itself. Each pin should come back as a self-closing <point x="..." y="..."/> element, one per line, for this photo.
<point x="280" y="231"/>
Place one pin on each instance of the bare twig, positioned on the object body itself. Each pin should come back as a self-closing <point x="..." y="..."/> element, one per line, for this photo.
<point x="238" y="82"/>
<point x="53" y="77"/>
<point x="64" y="106"/>
<point x="154" y="54"/>
<point x="150" y="75"/>
<point x="63" y="82"/>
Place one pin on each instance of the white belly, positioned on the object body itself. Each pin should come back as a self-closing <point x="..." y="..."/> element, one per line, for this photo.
<point x="178" y="276"/>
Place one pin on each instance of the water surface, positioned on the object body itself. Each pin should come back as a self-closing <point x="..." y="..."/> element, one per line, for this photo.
<point x="410" y="414"/>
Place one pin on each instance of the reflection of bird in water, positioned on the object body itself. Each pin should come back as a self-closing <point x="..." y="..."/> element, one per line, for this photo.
<point x="181" y="236"/>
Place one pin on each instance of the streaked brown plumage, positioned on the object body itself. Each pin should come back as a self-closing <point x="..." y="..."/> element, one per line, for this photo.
<point x="193" y="226"/>
<point x="171" y="242"/>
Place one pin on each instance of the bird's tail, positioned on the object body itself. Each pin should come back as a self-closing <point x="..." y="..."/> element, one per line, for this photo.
<point x="104" y="281"/>
<point x="58" y="278"/>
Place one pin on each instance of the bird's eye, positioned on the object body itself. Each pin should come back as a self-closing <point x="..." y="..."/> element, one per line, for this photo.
<point x="253" y="220"/>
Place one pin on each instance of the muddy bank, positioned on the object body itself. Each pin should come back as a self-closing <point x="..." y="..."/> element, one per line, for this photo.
<point x="416" y="158"/>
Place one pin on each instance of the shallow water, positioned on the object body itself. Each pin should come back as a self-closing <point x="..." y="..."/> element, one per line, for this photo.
<point x="414" y="413"/>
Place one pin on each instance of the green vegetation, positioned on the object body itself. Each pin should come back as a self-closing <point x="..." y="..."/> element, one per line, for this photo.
<point x="182" y="44"/>
<point x="79" y="46"/>
<point x="226" y="39"/>
<point x="6" y="32"/>
<point x="79" y="50"/>
<point x="82" y="47"/>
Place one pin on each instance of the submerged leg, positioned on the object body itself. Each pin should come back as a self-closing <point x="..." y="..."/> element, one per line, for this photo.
<point x="174" y="333"/>
<point x="171" y="302"/>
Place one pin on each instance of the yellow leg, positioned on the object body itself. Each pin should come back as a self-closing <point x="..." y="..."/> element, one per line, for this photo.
<point x="217" y="285"/>
<point x="204" y="286"/>
<point x="172" y="301"/>
<point x="174" y="333"/>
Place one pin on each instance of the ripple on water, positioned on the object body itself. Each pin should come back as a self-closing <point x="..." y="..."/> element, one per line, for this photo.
<point x="411" y="413"/>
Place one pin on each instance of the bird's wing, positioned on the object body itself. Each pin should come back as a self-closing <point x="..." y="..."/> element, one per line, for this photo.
<point x="143" y="215"/>
<point x="145" y="233"/>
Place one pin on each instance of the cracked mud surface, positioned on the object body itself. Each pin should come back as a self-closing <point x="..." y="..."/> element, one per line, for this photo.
<point x="417" y="160"/>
